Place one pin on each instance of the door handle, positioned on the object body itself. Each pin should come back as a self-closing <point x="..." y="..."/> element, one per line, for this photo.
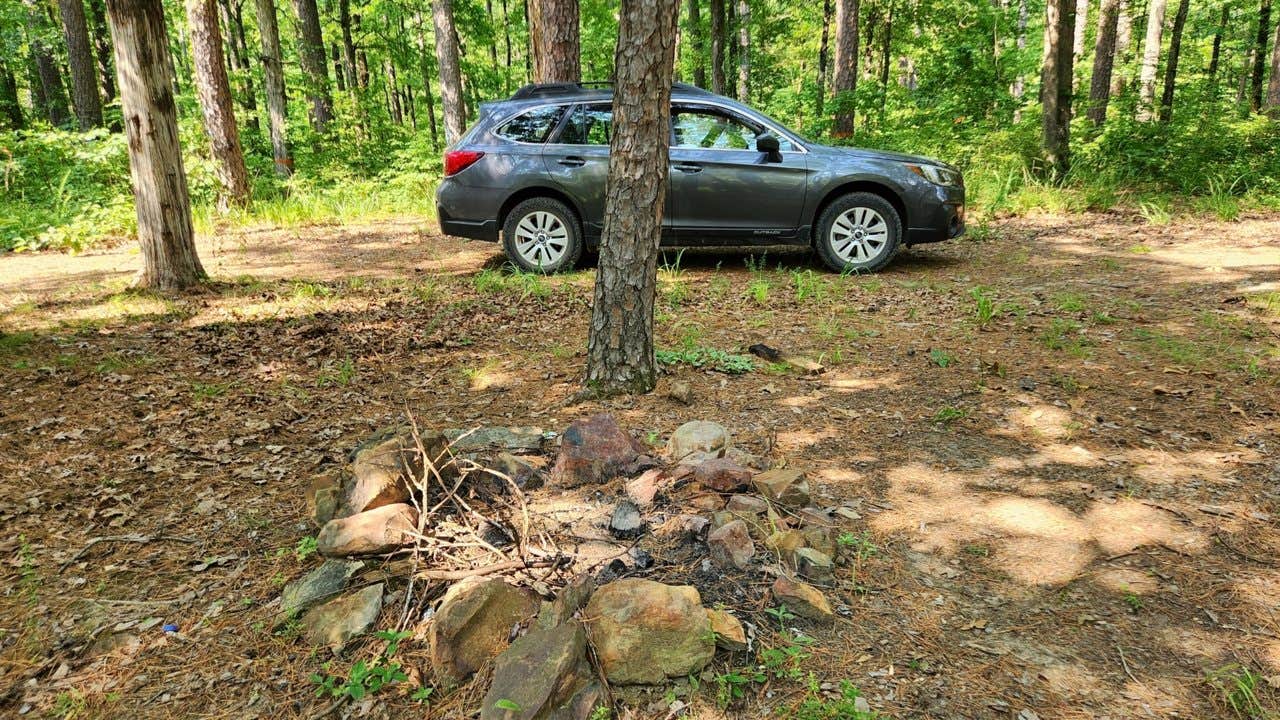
<point x="572" y="161"/>
<point x="688" y="167"/>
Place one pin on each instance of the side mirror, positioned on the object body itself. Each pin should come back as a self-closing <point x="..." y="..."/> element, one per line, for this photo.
<point x="768" y="145"/>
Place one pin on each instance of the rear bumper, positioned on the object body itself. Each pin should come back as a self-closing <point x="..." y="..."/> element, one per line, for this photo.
<point x="486" y="230"/>
<point x="457" y="204"/>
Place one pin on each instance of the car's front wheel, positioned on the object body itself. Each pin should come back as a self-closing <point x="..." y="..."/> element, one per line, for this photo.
<point x="542" y="235"/>
<point x="858" y="232"/>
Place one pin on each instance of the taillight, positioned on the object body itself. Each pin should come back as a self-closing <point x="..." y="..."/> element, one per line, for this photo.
<point x="455" y="161"/>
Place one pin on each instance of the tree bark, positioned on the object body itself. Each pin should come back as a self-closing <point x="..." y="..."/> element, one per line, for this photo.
<point x="10" y="108"/>
<point x="84" y="81"/>
<point x="845" y="82"/>
<point x="348" y="44"/>
<point x="1081" y="31"/>
<point x="1260" y="56"/>
<point x="311" y="57"/>
<point x="425" y="67"/>
<point x="455" y="122"/>
<point x="744" y="50"/>
<point x="1124" y="43"/>
<point x="273" y="80"/>
<point x="553" y="26"/>
<point x="620" y="353"/>
<point x="47" y="72"/>
<point x="1215" y="57"/>
<point x="1171" y="65"/>
<point x="824" y="53"/>
<point x="214" y="91"/>
<point x="1273" y="88"/>
<point x="169" y="260"/>
<point x="696" y="40"/>
<point x="1150" y="60"/>
<point x="1055" y="87"/>
<point x="717" y="47"/>
<point x="506" y="37"/>
<point x="1104" y="53"/>
<point x="886" y="48"/>
<point x="102" y="48"/>
<point x="1019" y="88"/>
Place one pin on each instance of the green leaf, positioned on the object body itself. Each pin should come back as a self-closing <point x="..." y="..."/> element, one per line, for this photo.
<point x="505" y="704"/>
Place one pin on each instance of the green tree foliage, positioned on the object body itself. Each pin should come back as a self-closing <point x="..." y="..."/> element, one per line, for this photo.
<point x="946" y="91"/>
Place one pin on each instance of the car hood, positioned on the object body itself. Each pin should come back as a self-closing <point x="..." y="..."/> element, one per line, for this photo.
<point x="882" y="155"/>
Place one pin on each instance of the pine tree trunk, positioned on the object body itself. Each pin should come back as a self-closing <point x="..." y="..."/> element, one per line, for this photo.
<point x="425" y="67"/>
<point x="10" y="108"/>
<point x="824" y="54"/>
<point x="886" y="47"/>
<point x="1104" y="53"/>
<point x="1055" y="87"/>
<point x="311" y="56"/>
<point x="845" y="82"/>
<point x="553" y="25"/>
<point x="348" y="44"/>
<point x="102" y="49"/>
<point x="696" y="40"/>
<point x="455" y="123"/>
<point x="240" y="51"/>
<point x="84" y="81"/>
<point x="620" y="353"/>
<point x="1171" y="65"/>
<point x="1215" y="56"/>
<point x="47" y="72"/>
<point x="1150" y="60"/>
<point x="744" y="51"/>
<point x="1273" y="88"/>
<point x="1019" y="88"/>
<point x="1081" y="31"/>
<point x="169" y="260"/>
<point x="717" y="47"/>
<point x="506" y="38"/>
<point x="362" y="60"/>
<point x="339" y="79"/>
<point x="1260" y="56"/>
<point x="214" y="90"/>
<point x="273" y="79"/>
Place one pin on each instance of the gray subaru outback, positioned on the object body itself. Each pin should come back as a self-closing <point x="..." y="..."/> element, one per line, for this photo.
<point x="531" y="172"/>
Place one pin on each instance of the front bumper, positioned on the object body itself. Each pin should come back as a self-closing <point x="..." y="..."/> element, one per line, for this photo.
<point x="940" y="218"/>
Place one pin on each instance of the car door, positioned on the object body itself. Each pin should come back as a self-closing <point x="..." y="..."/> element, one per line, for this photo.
<point x="578" y="162"/>
<point x="723" y="189"/>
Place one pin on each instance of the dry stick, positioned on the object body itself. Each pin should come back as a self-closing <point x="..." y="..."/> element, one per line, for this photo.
<point x="1125" y="664"/>
<point x="135" y="538"/>
<point x="486" y="570"/>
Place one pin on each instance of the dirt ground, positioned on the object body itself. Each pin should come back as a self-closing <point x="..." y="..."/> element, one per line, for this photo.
<point x="1060" y="432"/>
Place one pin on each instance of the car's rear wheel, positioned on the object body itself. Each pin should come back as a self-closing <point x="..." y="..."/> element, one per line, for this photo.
<point x="858" y="232"/>
<point x="542" y="235"/>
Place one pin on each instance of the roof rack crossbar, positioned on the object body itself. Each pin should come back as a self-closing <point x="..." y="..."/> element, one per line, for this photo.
<point x="536" y="90"/>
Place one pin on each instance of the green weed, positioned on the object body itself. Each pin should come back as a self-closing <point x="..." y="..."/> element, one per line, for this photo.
<point x="1238" y="686"/>
<point x="709" y="358"/>
<point x="942" y="358"/>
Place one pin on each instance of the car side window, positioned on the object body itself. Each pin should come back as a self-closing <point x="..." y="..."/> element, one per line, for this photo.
<point x="532" y="126"/>
<point x="588" y="125"/>
<point x="712" y="129"/>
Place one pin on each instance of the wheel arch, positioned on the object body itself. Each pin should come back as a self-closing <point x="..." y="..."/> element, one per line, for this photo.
<point x="893" y="197"/>
<point x="529" y="193"/>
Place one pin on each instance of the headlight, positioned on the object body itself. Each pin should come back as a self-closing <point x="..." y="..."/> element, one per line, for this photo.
<point x="937" y="175"/>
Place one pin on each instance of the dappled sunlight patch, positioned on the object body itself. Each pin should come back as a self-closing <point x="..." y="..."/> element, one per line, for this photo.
<point x="1125" y="580"/>
<point x="1042" y="560"/>
<point x="1165" y="468"/>
<point x="1038" y="420"/>
<point x="1072" y="681"/>
<point x="799" y="401"/>
<point x="1260" y="593"/>
<point x="1271" y="656"/>
<point x="1203" y="646"/>
<point x="1128" y="524"/>
<point x="839" y="477"/>
<point x="1161" y="697"/>
<point x="790" y="441"/>
<point x="849" y="381"/>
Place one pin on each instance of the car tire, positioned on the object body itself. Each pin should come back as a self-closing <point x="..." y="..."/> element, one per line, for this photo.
<point x="858" y="233"/>
<point x="542" y="235"/>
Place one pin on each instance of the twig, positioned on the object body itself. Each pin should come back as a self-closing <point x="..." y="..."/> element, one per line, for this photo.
<point x="486" y="570"/>
<point x="1124" y="663"/>
<point x="329" y="710"/>
<point x="134" y="538"/>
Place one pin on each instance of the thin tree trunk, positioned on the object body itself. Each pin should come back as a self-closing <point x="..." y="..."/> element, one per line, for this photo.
<point x="744" y="50"/>
<point x="845" y="82"/>
<point x="314" y="67"/>
<point x="102" y="48"/>
<point x="1273" y="88"/>
<point x="1104" y="52"/>
<point x="1215" y="56"/>
<point x="455" y="123"/>
<point x="1150" y="60"/>
<point x="554" y="29"/>
<point x="1171" y="65"/>
<point x="1124" y="43"/>
<point x="273" y="79"/>
<point x="1260" y="56"/>
<point x="1055" y="87"/>
<point x="696" y="40"/>
<point x="348" y="44"/>
<point x="362" y="59"/>
<point x="169" y="260"/>
<point x="339" y="77"/>
<point x="425" y="67"/>
<point x="493" y="38"/>
<point x="506" y="37"/>
<point x="824" y="53"/>
<point x="717" y="47"/>
<point x="10" y="108"/>
<point x="47" y="71"/>
<point x="620" y="353"/>
<point x="884" y="61"/>
<point x="1019" y="89"/>
<point x="84" y="81"/>
<point x="214" y="91"/>
<point x="1081" y="31"/>
<point x="238" y="61"/>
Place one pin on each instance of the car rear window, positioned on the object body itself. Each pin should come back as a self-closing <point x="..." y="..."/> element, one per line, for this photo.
<point x="532" y="126"/>
<point x="588" y="125"/>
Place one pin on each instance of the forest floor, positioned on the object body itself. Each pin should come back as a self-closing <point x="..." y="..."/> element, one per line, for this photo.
<point x="1070" y="493"/>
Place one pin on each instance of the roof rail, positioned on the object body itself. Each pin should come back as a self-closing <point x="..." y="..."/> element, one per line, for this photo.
<point x="536" y="90"/>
